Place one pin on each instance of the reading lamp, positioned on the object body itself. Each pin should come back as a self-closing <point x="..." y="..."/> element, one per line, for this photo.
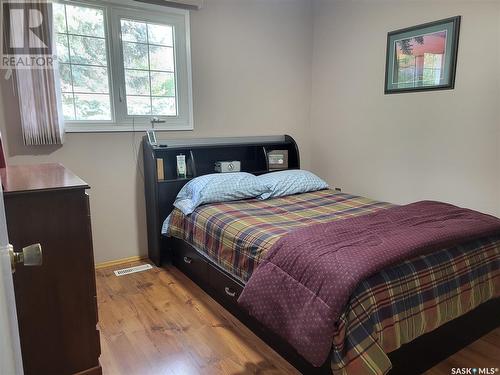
<point x="151" y="132"/>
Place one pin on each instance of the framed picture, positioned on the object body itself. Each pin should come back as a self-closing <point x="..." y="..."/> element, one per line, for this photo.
<point x="277" y="160"/>
<point x="422" y="57"/>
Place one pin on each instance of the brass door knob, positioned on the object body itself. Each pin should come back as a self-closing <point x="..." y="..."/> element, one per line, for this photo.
<point x="30" y="256"/>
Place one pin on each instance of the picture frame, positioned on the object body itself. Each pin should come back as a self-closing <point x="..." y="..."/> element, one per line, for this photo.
<point x="422" y="57"/>
<point x="277" y="160"/>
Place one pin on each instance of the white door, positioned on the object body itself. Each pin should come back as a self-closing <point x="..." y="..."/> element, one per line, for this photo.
<point x="10" y="348"/>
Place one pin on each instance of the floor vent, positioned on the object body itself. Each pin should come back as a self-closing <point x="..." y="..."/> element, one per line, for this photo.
<point x="126" y="271"/>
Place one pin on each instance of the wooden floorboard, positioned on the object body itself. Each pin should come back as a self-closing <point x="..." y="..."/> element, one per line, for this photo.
<point x="160" y="322"/>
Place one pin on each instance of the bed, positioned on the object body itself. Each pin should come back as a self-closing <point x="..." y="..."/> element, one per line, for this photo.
<point x="219" y="246"/>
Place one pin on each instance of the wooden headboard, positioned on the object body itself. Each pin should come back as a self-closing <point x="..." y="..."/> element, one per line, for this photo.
<point x="162" y="185"/>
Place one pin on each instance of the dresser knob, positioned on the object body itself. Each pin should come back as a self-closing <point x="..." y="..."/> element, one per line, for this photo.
<point x="188" y="260"/>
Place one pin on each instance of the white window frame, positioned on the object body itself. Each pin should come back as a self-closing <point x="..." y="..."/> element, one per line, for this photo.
<point x="113" y="12"/>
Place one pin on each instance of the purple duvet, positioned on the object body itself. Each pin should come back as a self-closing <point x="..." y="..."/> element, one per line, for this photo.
<point x="300" y="289"/>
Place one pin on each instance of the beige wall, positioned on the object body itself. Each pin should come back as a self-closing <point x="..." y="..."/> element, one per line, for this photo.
<point x="251" y="76"/>
<point x="441" y="145"/>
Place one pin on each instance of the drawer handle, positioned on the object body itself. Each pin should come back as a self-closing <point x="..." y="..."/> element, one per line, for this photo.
<point x="188" y="260"/>
<point x="229" y="292"/>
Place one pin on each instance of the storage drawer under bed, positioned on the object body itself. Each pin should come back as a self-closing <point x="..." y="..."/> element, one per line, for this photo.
<point x="206" y="274"/>
<point x="224" y="285"/>
<point x="189" y="261"/>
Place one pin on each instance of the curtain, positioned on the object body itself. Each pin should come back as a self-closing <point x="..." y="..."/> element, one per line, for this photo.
<point x="40" y="105"/>
<point x="38" y="88"/>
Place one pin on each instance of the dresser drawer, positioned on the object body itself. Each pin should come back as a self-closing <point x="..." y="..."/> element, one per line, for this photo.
<point x="190" y="262"/>
<point x="228" y="289"/>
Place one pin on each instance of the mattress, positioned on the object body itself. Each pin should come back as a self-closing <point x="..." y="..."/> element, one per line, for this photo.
<point x="386" y="310"/>
<point x="236" y="235"/>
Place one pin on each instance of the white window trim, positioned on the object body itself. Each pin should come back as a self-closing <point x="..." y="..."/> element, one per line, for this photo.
<point x="112" y="12"/>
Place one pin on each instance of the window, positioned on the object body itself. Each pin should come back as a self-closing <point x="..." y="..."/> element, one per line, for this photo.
<point x="406" y="70"/>
<point x="433" y="68"/>
<point x="148" y="59"/>
<point x="121" y="66"/>
<point x="83" y="62"/>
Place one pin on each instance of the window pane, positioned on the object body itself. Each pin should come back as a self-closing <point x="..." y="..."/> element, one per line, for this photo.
<point x="59" y="18"/>
<point x="135" y="55"/>
<point x="138" y="105"/>
<point x="65" y="75"/>
<point x="164" y="106"/>
<point x="137" y="82"/>
<point x="68" y="107"/>
<point x="149" y="65"/>
<point x="161" y="58"/>
<point x="90" y="79"/>
<point x="83" y="66"/>
<point x="85" y="21"/>
<point x="62" y="48"/>
<point x="134" y="31"/>
<point x="162" y="84"/>
<point x="92" y="107"/>
<point x="86" y="50"/>
<point x="158" y="34"/>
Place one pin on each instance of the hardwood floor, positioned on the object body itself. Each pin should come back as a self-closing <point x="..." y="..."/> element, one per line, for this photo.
<point x="160" y="322"/>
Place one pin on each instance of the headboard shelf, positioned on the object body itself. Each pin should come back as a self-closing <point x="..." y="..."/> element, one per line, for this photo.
<point x="162" y="184"/>
<point x="179" y="179"/>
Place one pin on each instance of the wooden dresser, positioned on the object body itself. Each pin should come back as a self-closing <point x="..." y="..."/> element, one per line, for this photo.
<point x="56" y="302"/>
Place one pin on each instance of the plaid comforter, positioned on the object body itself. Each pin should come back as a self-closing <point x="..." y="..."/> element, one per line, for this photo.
<point x="388" y="309"/>
<point x="236" y="235"/>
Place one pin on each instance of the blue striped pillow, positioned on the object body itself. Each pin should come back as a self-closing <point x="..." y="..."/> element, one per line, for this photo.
<point x="218" y="187"/>
<point x="290" y="182"/>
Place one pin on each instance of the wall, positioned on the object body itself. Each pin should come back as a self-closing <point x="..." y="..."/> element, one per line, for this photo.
<point x="251" y="76"/>
<point x="442" y="145"/>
